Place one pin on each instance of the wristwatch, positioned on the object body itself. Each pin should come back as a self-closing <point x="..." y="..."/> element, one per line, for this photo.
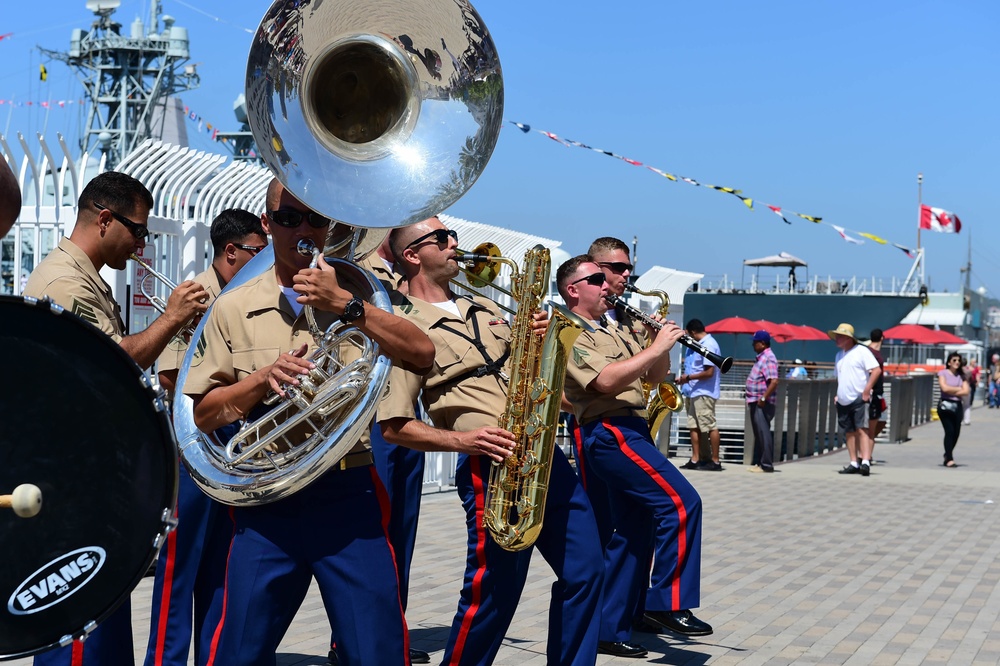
<point x="354" y="310"/>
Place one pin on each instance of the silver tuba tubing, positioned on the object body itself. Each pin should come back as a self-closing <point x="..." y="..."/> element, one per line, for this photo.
<point x="268" y="458"/>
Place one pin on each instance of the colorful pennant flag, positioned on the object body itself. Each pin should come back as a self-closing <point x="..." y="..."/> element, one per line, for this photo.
<point x="43" y="73"/>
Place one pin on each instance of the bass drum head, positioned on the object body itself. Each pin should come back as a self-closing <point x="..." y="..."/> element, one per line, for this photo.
<point x="79" y="420"/>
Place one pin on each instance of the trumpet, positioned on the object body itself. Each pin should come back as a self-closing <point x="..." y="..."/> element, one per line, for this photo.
<point x="723" y="363"/>
<point x="158" y="303"/>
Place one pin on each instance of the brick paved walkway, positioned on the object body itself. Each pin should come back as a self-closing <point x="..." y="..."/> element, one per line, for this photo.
<point x="803" y="566"/>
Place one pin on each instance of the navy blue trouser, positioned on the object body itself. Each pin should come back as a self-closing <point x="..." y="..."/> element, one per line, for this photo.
<point x="654" y="510"/>
<point x="190" y="575"/>
<point x="495" y="577"/>
<point x="336" y="530"/>
<point x="763" y="439"/>
<point x="109" y="644"/>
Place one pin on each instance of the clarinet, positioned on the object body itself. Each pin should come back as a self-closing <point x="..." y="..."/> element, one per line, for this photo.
<point x="723" y="363"/>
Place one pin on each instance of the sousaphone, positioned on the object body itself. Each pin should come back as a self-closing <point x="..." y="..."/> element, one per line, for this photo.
<point x="376" y="114"/>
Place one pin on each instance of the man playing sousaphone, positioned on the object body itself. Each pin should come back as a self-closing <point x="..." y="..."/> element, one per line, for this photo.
<point x="333" y="528"/>
<point x="464" y="395"/>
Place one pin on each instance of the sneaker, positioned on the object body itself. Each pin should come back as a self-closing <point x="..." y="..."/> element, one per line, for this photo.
<point x="712" y="467"/>
<point x="690" y="464"/>
<point x="755" y="469"/>
<point x="865" y="469"/>
<point x="850" y="469"/>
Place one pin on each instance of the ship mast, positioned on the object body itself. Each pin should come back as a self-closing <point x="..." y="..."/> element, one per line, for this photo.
<point x="128" y="79"/>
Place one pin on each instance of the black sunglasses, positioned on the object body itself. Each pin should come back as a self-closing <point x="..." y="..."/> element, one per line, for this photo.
<point x="594" y="280"/>
<point x="440" y="237"/>
<point x="618" y="267"/>
<point x="252" y="249"/>
<point x="139" y="231"/>
<point x="290" y="219"/>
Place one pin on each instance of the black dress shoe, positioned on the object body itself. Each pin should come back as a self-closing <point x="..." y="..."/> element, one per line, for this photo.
<point x="332" y="659"/>
<point x="419" y="657"/>
<point x="621" y="649"/>
<point x="642" y="626"/>
<point x="680" y="622"/>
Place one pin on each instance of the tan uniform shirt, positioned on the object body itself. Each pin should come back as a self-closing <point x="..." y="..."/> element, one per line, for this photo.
<point x="592" y="353"/>
<point x="173" y="355"/>
<point x="374" y="264"/>
<point x="248" y="329"/>
<point x="474" y="402"/>
<point x="70" y="279"/>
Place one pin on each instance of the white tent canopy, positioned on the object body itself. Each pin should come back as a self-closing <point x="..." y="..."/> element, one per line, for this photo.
<point x="780" y="259"/>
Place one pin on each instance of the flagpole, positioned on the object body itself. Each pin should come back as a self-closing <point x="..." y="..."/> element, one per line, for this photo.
<point x="920" y="201"/>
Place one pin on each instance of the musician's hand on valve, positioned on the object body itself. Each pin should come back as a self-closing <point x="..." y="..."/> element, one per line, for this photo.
<point x="320" y="288"/>
<point x="287" y="368"/>
<point x="186" y="301"/>
<point x="491" y="441"/>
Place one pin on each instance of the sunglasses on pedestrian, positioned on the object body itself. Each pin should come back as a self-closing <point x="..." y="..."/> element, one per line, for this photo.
<point x="594" y="280"/>
<point x="440" y="237"/>
<point x="618" y="267"/>
<point x="139" y="231"/>
<point x="252" y="249"/>
<point x="290" y="219"/>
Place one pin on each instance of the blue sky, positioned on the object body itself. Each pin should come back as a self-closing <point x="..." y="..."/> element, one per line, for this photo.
<point x="829" y="109"/>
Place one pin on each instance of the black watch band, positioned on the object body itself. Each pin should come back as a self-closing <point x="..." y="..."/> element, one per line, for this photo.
<point x="354" y="310"/>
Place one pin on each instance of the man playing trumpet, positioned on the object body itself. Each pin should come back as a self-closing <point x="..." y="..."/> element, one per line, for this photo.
<point x="110" y="226"/>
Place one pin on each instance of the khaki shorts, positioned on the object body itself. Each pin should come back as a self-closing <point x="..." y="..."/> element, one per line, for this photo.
<point x="701" y="413"/>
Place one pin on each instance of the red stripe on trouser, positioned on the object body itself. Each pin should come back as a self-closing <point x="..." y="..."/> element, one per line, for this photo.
<point x="682" y="518"/>
<point x="580" y="465"/>
<point x="165" y="593"/>
<point x="77" y="657"/>
<point x="225" y="597"/>
<point x="477" y="579"/>
<point x="385" y="510"/>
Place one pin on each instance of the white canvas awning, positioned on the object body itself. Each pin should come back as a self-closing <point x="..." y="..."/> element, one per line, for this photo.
<point x="780" y="259"/>
<point x="674" y="282"/>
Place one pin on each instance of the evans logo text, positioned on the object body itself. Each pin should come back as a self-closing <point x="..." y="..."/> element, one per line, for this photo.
<point x="56" y="581"/>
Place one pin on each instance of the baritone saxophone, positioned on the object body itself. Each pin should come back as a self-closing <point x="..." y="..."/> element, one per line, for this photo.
<point x="518" y="486"/>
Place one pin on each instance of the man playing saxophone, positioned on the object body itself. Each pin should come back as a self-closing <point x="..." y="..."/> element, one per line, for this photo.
<point x="464" y="394"/>
<point x="655" y="510"/>
<point x="333" y="529"/>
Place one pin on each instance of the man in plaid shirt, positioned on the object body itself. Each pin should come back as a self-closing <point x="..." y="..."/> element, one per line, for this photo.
<point x="761" y="385"/>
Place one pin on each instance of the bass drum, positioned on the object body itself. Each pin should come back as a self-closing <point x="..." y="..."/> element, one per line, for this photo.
<point x="79" y="420"/>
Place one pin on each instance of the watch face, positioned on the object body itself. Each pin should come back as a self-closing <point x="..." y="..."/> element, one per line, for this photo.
<point x="354" y="309"/>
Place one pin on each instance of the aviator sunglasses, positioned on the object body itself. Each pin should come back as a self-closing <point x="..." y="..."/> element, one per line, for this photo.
<point x="139" y="231"/>
<point x="594" y="279"/>
<point x="440" y="237"/>
<point x="618" y="267"/>
<point x="291" y="219"/>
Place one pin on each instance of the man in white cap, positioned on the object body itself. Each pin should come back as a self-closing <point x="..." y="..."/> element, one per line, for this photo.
<point x="857" y="371"/>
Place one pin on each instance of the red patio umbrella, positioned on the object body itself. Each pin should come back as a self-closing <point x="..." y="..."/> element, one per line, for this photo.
<point x="922" y="335"/>
<point x="806" y="333"/>
<point x="734" y="325"/>
<point x="779" y="332"/>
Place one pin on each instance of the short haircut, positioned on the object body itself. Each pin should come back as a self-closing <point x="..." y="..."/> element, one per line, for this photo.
<point x="233" y="225"/>
<point x="116" y="191"/>
<point x="398" y="235"/>
<point x="694" y="326"/>
<point x="876" y="335"/>
<point x="606" y="244"/>
<point x="274" y="189"/>
<point x="568" y="268"/>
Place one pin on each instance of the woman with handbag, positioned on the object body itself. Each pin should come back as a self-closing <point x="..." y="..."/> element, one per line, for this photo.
<point x="954" y="387"/>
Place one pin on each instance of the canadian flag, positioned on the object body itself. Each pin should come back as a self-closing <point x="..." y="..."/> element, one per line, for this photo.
<point x="938" y="219"/>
